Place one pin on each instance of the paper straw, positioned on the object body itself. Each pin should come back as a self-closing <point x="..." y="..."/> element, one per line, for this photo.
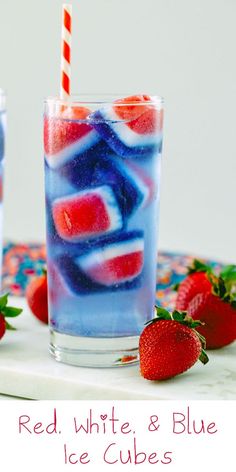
<point x="66" y="52"/>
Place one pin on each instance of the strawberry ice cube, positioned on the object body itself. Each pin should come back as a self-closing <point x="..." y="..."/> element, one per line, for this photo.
<point x="81" y="171"/>
<point x="128" y="193"/>
<point x="67" y="135"/>
<point x="131" y="126"/>
<point x="111" y="263"/>
<point x="115" y="263"/>
<point x="130" y="189"/>
<point x="87" y="214"/>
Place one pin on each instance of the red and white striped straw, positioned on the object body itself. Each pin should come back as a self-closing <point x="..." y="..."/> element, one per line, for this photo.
<point x="66" y="52"/>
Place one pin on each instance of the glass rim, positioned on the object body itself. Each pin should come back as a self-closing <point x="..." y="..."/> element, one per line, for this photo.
<point x="102" y="99"/>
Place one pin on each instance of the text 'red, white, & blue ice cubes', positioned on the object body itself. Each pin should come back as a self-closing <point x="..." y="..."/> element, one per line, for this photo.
<point x="102" y="192"/>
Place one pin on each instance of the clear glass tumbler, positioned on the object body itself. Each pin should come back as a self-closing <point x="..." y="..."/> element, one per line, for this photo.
<point x="102" y="175"/>
<point x="2" y="159"/>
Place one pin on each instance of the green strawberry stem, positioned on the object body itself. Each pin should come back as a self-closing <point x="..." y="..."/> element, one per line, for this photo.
<point x="220" y="289"/>
<point x="182" y="318"/>
<point x="9" y="326"/>
<point x="175" y="287"/>
<point x="8" y="311"/>
<point x="3" y="301"/>
<point x="204" y="357"/>
<point x="199" y="266"/>
<point x="223" y="285"/>
<point x="228" y="274"/>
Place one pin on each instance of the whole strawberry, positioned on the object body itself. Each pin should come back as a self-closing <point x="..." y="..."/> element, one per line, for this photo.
<point x="7" y="312"/>
<point x="2" y="326"/>
<point x="217" y="310"/>
<point x="196" y="281"/>
<point x="37" y="297"/>
<point x="169" y="345"/>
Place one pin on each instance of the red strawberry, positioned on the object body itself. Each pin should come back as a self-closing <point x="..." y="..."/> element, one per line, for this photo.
<point x="7" y="312"/>
<point x="169" y="345"/>
<point x="217" y="311"/>
<point x="196" y="281"/>
<point x="2" y="326"/>
<point x="37" y="297"/>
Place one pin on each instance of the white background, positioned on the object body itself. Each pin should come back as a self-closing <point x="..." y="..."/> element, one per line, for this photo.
<point x="191" y="452"/>
<point x="183" y="50"/>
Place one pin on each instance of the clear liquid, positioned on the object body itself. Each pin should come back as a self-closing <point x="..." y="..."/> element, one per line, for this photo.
<point x="78" y="307"/>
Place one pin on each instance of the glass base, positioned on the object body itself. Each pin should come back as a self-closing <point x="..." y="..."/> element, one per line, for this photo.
<point x="94" y="352"/>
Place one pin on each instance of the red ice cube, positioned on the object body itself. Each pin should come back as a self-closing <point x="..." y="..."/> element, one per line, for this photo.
<point x="87" y="214"/>
<point x="139" y="114"/>
<point x="114" y="263"/>
<point x="67" y="134"/>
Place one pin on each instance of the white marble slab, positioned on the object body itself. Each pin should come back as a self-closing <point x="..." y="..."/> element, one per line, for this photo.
<point x="28" y="371"/>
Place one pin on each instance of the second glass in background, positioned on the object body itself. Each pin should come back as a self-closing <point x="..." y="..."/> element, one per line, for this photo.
<point x="2" y="159"/>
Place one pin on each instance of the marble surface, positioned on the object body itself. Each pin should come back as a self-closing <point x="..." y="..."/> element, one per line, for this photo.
<point x="28" y="371"/>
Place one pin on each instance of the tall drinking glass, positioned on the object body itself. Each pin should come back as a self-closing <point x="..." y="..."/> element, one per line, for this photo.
<point x="2" y="159"/>
<point x="102" y="174"/>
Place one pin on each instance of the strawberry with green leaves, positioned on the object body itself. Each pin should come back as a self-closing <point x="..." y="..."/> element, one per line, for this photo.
<point x="217" y="311"/>
<point x="169" y="345"/>
<point x="210" y="298"/>
<point x="196" y="281"/>
<point x="7" y="312"/>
